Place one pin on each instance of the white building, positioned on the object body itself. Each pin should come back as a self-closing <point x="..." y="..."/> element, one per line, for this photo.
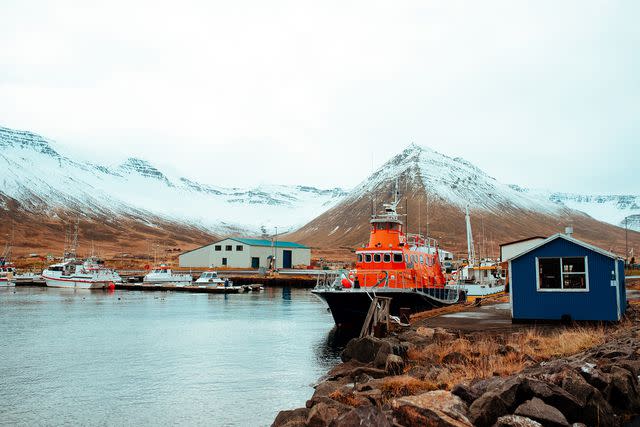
<point x="511" y="249"/>
<point x="236" y="252"/>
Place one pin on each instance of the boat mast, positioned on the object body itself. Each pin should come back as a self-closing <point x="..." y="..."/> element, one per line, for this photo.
<point x="470" y="249"/>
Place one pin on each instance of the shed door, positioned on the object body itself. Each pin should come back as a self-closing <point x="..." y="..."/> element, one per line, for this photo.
<point x="255" y="262"/>
<point x="286" y="259"/>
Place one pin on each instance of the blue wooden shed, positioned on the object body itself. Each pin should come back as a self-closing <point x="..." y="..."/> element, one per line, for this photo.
<point x="563" y="278"/>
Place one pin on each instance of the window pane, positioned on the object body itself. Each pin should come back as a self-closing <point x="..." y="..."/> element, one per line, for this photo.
<point x="238" y="247"/>
<point x="218" y="248"/>
<point x="359" y="257"/>
<point x="397" y="257"/>
<point x="367" y="258"/>
<point x="574" y="281"/>
<point x="387" y="257"/>
<point x="228" y="248"/>
<point x="573" y="265"/>
<point x="376" y="258"/>
<point x="549" y="273"/>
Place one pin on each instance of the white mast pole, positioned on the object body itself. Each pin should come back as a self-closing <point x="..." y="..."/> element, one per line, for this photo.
<point x="470" y="249"/>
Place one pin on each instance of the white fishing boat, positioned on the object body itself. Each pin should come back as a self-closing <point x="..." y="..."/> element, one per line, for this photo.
<point x="87" y="274"/>
<point x="210" y="278"/>
<point x="163" y="274"/>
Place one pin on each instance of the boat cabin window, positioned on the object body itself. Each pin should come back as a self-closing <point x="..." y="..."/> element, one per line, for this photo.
<point x="359" y="257"/>
<point x="421" y="259"/>
<point x="157" y="271"/>
<point x="397" y="257"/>
<point x="376" y="257"/>
<point x="367" y="258"/>
<point x="55" y="268"/>
<point x="387" y="257"/>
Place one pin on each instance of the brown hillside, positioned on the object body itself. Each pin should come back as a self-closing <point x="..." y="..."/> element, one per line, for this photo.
<point x="136" y="235"/>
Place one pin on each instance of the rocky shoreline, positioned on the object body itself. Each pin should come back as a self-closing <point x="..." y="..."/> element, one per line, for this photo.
<point x="508" y="379"/>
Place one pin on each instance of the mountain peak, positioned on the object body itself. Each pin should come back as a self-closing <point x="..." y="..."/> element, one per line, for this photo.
<point x="143" y="168"/>
<point x="26" y="140"/>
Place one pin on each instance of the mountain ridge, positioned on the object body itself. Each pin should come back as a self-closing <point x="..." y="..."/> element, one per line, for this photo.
<point x="38" y="180"/>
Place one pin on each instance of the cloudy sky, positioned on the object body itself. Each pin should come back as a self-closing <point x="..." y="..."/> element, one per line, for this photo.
<point x="539" y="93"/>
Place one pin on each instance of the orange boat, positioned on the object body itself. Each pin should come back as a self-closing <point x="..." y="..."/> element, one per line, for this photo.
<point x="404" y="267"/>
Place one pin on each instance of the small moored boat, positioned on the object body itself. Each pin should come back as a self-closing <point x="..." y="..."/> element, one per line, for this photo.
<point x="163" y="274"/>
<point x="88" y="274"/>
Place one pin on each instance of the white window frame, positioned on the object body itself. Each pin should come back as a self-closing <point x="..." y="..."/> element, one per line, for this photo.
<point x="562" y="273"/>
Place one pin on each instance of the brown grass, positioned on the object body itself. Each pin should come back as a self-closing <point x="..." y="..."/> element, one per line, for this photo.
<point x="486" y="357"/>
<point x="405" y="385"/>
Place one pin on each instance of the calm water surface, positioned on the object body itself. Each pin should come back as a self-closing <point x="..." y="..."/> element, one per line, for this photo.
<point x="127" y="357"/>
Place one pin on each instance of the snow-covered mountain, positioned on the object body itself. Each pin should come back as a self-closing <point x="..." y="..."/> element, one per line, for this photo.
<point x="444" y="186"/>
<point x="40" y="179"/>
<point x="460" y="183"/>
<point x="37" y="179"/>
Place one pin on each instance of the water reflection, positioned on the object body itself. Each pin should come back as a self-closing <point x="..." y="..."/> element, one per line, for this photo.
<point x="330" y="347"/>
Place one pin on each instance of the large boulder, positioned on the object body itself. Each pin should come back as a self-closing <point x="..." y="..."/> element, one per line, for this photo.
<point x="291" y="418"/>
<point x="427" y="333"/>
<point x="469" y="393"/>
<point x="503" y="398"/>
<point x="623" y="393"/>
<point x="516" y="421"/>
<point x="321" y="415"/>
<point x="384" y="351"/>
<point x="362" y="416"/>
<point x="553" y="395"/>
<point x="435" y="408"/>
<point x="539" y="411"/>
<point x="362" y="349"/>
<point x="486" y="409"/>
<point x="595" y="376"/>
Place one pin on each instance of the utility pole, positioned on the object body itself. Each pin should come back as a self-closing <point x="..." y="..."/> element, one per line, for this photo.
<point x="626" y="240"/>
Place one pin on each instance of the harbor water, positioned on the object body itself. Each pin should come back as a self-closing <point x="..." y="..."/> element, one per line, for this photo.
<point x="84" y="357"/>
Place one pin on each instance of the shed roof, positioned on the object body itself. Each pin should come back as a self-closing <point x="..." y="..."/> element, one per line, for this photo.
<point x="266" y="242"/>
<point x="569" y="239"/>
<point x="522" y="240"/>
<point x="254" y="242"/>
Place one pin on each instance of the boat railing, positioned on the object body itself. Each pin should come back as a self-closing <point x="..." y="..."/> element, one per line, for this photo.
<point x="420" y="241"/>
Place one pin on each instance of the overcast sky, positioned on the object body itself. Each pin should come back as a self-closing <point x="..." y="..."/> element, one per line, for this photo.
<point x="538" y="93"/>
